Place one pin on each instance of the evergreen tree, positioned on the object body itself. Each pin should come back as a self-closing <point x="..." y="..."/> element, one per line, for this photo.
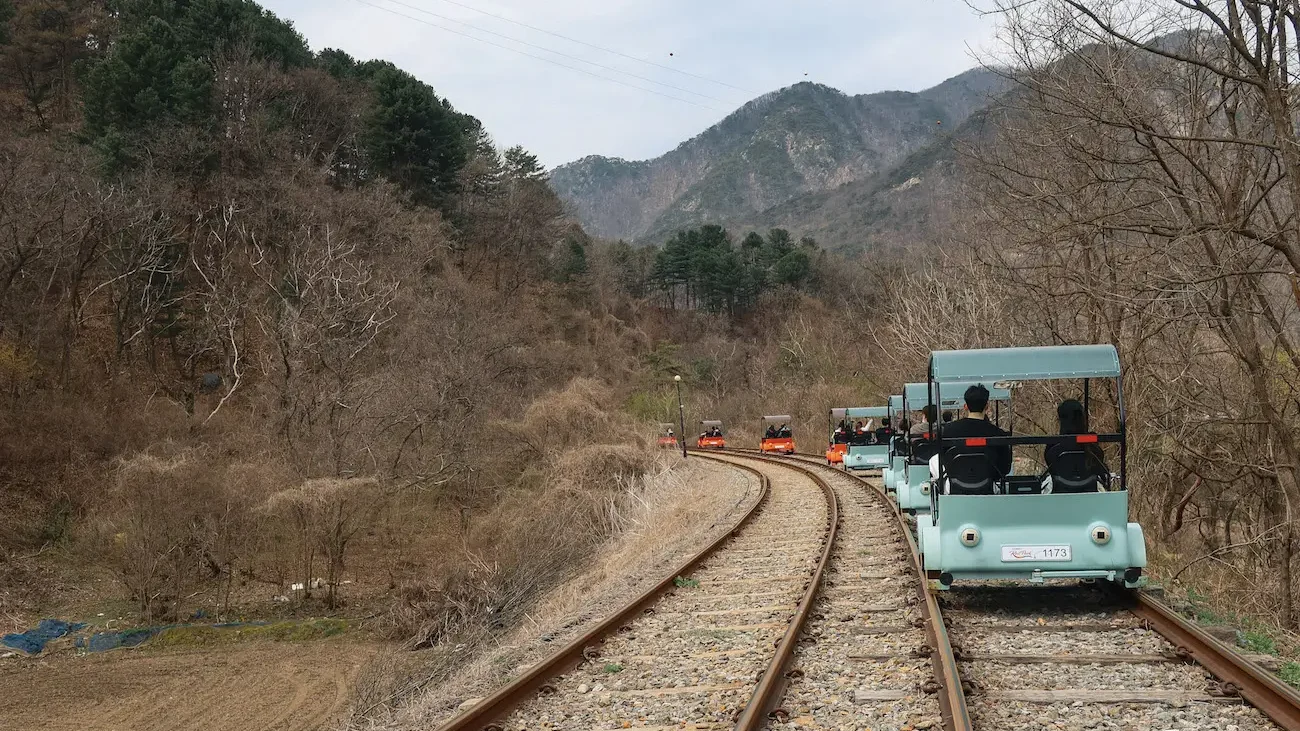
<point x="7" y="13"/>
<point x="573" y="266"/>
<point x="158" y="70"/>
<point x="413" y="137"/>
<point x="523" y="165"/>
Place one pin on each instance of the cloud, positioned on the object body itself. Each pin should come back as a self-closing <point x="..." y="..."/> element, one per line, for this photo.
<point x="857" y="46"/>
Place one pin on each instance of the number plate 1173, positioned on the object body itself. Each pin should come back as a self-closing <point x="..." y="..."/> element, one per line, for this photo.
<point x="1035" y="553"/>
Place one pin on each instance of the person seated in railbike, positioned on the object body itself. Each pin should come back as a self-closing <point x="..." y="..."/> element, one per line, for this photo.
<point x="784" y="432"/>
<point x="972" y="467"/>
<point x="842" y="433"/>
<point x="770" y="433"/>
<point x="1075" y="467"/>
<point x="885" y="432"/>
<point x="861" y="435"/>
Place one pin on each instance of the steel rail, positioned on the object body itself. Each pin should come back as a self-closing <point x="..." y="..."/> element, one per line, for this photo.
<point x="1257" y="686"/>
<point x="1238" y="675"/>
<point x="952" y="697"/>
<point x="484" y="714"/>
<point x="771" y="687"/>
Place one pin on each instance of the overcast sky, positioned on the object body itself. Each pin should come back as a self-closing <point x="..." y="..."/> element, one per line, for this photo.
<point x="857" y="46"/>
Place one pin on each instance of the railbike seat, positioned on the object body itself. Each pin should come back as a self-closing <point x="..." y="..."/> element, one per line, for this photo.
<point x="1071" y="473"/>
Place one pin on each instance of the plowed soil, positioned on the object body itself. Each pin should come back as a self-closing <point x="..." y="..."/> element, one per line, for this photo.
<point x="280" y="686"/>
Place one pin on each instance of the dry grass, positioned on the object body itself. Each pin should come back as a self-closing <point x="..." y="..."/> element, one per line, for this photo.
<point x="662" y="518"/>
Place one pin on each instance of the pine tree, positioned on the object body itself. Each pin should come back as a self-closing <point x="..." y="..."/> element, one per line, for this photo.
<point x="413" y="137"/>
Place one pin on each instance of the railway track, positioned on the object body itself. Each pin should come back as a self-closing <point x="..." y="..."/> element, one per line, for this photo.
<point x="812" y="613"/>
<point x="1091" y="657"/>
<point x="705" y="649"/>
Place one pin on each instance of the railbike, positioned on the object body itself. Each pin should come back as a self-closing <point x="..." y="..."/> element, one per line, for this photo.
<point x="1068" y="523"/>
<point x="864" y="452"/>
<point x="711" y="436"/>
<point x="778" y="435"/>
<point x="667" y="440"/>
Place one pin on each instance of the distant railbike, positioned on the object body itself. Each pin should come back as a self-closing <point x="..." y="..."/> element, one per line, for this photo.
<point x="778" y="435"/>
<point x="667" y="440"/>
<point x="868" y="450"/>
<point x="711" y="436"/>
<point x="1071" y="521"/>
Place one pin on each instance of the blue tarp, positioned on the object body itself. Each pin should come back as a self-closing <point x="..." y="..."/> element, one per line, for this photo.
<point x="33" y="641"/>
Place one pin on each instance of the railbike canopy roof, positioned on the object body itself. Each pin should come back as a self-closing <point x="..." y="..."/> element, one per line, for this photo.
<point x="1025" y="364"/>
<point x="951" y="393"/>
<point x="710" y="423"/>
<point x="866" y="412"/>
<point x="896" y="402"/>
<point x="777" y="419"/>
<point x="666" y="425"/>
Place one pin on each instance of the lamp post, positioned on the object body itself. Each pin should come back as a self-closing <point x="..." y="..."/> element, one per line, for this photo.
<point x="681" y="415"/>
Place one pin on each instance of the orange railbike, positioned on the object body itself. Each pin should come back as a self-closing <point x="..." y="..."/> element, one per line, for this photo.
<point x="711" y="437"/>
<point x="667" y="440"/>
<point x="778" y="438"/>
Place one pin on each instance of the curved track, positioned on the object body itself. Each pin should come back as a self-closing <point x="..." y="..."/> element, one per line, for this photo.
<point x="752" y="637"/>
<point x="705" y="648"/>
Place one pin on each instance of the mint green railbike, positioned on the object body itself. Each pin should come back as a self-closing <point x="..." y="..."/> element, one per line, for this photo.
<point x="1071" y="522"/>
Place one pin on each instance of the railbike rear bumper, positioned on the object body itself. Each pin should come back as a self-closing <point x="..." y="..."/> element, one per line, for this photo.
<point x="984" y="537"/>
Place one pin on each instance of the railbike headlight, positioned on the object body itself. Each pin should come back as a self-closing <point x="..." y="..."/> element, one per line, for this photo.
<point x="970" y="536"/>
<point x="1100" y="533"/>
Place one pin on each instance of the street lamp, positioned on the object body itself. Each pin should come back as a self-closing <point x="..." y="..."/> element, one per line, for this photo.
<point x="681" y="415"/>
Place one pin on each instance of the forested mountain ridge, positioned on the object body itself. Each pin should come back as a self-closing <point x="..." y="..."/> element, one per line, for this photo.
<point x="803" y="139"/>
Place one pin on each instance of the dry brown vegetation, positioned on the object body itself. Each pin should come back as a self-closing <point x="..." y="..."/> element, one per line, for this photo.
<point x="219" y="380"/>
<point x="1141" y="188"/>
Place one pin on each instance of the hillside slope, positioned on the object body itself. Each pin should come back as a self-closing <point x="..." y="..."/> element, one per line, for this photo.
<point x="803" y="139"/>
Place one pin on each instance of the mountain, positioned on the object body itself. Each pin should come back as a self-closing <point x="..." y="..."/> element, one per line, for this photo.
<point x="899" y="207"/>
<point x="801" y="140"/>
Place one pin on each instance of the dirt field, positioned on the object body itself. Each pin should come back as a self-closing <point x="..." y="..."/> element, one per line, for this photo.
<point x="281" y="686"/>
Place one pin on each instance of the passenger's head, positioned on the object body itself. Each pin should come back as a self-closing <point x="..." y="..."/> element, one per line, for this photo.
<point x="947" y="416"/>
<point x="884" y="421"/>
<point x="930" y="411"/>
<point x="1073" y="419"/>
<point x="977" y="399"/>
<point x="904" y="425"/>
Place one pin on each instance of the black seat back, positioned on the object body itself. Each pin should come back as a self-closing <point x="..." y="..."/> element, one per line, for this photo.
<point x="969" y="472"/>
<point x="1071" y="472"/>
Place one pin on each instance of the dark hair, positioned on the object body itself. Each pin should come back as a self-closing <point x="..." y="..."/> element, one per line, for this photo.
<point x="1073" y="419"/>
<point x="977" y="398"/>
<point x="884" y="421"/>
<point x="947" y="416"/>
<point x="930" y="411"/>
<point x="904" y="425"/>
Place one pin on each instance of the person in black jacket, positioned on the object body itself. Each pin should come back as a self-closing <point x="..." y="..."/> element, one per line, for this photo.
<point x="1073" y="420"/>
<point x="884" y="432"/>
<point x="975" y="424"/>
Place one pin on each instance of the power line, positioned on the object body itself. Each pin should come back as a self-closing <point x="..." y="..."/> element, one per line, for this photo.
<point x="557" y="53"/>
<point x="539" y="58"/>
<point x="598" y="48"/>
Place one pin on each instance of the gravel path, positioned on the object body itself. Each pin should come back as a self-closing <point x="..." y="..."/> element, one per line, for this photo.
<point x="693" y="660"/>
<point x="860" y="671"/>
<point x="679" y="522"/>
